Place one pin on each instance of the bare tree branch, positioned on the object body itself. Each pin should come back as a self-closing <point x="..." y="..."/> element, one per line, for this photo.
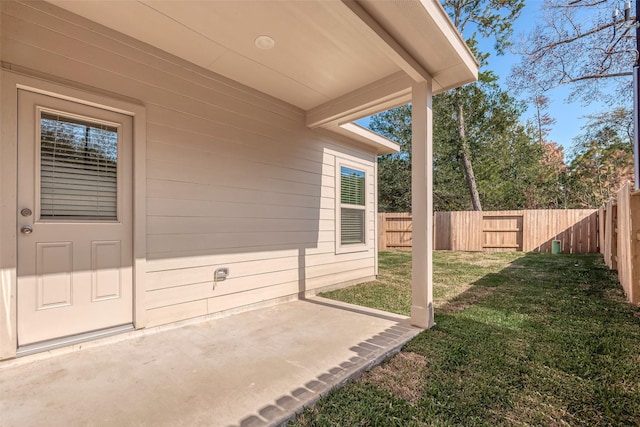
<point x="597" y="76"/>
<point x="581" y="4"/>
<point x="582" y="45"/>
<point x="579" y="36"/>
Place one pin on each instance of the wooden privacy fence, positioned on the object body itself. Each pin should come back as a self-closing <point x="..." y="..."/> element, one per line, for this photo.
<point x="620" y="239"/>
<point x="526" y="230"/>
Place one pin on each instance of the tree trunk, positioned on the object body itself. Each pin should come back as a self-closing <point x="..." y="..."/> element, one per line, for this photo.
<point x="464" y="156"/>
<point x="539" y="123"/>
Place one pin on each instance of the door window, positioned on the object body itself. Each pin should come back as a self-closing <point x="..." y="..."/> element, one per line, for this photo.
<point x="78" y="168"/>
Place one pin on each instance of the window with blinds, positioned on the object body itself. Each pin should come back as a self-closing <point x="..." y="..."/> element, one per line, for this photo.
<point x="352" y="206"/>
<point x="78" y="169"/>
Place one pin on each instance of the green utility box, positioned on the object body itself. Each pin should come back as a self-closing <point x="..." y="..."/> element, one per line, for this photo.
<point x="556" y="247"/>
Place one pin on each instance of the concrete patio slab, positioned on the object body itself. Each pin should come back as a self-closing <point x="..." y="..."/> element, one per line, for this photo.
<point x="250" y="369"/>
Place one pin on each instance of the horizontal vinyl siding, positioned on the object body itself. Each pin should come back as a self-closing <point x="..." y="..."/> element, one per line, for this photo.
<point x="234" y="178"/>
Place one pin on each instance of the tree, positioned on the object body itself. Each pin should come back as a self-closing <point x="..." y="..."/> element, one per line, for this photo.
<point x="489" y="19"/>
<point x="394" y="185"/>
<point x="581" y="44"/>
<point x="508" y="159"/>
<point x="603" y="159"/>
<point x="394" y="170"/>
<point x="553" y="179"/>
<point x="585" y="45"/>
<point x="543" y="120"/>
<point x="551" y="186"/>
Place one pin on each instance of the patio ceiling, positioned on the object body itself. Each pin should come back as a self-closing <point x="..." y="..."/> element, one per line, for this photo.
<point x="364" y="54"/>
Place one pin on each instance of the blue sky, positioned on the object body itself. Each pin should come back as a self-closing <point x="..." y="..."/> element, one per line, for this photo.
<point x="570" y="117"/>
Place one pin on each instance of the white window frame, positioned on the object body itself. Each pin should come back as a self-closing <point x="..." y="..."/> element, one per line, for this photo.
<point x="353" y="247"/>
<point x="38" y="168"/>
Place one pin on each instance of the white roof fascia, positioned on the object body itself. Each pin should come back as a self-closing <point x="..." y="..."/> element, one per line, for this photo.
<point x="360" y="134"/>
<point x="440" y="16"/>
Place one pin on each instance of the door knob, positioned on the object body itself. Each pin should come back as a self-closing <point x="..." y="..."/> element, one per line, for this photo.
<point x="27" y="229"/>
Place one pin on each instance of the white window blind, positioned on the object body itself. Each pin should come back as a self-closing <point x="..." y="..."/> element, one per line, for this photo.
<point x="352" y="206"/>
<point x="78" y="169"/>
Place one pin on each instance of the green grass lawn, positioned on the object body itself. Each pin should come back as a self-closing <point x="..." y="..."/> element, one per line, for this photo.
<point x="520" y="339"/>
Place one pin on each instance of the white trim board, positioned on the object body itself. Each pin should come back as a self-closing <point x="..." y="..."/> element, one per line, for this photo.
<point x="10" y="83"/>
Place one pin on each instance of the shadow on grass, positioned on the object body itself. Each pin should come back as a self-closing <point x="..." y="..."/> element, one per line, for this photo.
<point x="547" y="340"/>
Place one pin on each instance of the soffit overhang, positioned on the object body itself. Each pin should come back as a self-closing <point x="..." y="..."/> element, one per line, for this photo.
<point x="324" y="50"/>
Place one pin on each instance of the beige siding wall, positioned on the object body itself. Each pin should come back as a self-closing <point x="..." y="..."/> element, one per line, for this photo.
<point x="234" y="178"/>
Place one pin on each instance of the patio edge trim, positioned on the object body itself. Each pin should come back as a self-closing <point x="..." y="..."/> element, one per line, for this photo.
<point x="412" y="332"/>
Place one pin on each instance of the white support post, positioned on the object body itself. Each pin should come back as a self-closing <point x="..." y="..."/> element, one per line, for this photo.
<point x="422" y="205"/>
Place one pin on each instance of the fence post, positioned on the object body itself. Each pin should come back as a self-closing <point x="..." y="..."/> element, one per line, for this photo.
<point x="615" y="224"/>
<point x="382" y="232"/>
<point x="634" y="206"/>
<point x="600" y="231"/>
<point x="436" y="224"/>
<point x="610" y="233"/>
<point x="623" y="248"/>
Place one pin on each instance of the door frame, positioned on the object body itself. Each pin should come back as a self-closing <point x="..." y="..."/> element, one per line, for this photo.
<point x="10" y="82"/>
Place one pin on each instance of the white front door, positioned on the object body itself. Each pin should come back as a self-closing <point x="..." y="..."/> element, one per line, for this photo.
<point x="74" y="218"/>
